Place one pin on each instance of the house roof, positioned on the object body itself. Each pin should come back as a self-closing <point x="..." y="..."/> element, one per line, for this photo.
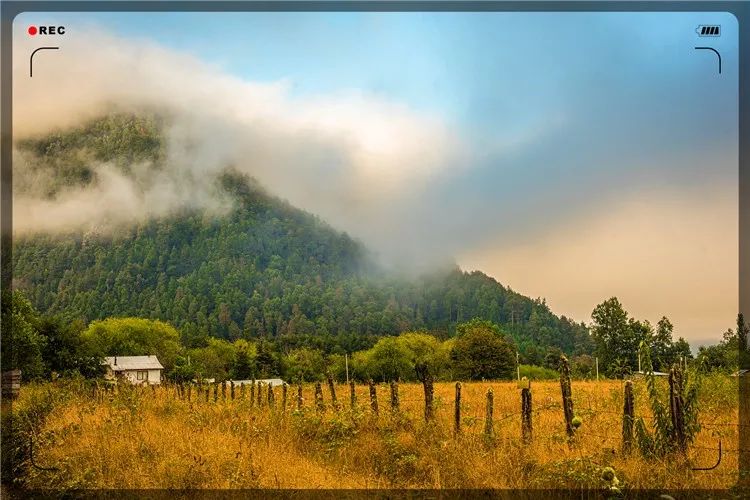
<point x="121" y="363"/>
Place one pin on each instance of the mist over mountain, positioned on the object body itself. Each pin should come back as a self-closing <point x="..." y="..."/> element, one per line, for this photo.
<point x="133" y="235"/>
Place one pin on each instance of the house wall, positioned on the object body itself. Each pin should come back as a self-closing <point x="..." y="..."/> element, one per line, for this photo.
<point x="154" y="376"/>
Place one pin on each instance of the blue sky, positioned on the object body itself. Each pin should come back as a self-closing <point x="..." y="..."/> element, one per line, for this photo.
<point x="568" y="117"/>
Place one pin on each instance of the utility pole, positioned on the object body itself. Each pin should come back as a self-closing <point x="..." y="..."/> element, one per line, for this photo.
<point x="518" y="367"/>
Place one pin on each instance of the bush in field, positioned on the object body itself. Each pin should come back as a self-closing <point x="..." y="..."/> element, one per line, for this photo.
<point x="481" y="351"/>
<point x="532" y="372"/>
<point x="396" y="358"/>
<point x="664" y="437"/>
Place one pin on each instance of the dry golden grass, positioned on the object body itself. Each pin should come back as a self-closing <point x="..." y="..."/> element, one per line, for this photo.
<point x="145" y="439"/>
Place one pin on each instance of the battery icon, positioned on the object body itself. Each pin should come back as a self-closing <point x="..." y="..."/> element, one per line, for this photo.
<point x="708" y="30"/>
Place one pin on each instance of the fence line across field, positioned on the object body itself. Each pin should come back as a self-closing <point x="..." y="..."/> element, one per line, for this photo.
<point x="385" y="399"/>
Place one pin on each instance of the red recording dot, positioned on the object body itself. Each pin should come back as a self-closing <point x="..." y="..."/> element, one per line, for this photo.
<point x="32" y="30"/>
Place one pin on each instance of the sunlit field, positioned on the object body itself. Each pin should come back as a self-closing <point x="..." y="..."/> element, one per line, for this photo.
<point x="144" y="438"/>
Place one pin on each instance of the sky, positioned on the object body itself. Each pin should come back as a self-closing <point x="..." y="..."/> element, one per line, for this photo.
<point x="572" y="157"/>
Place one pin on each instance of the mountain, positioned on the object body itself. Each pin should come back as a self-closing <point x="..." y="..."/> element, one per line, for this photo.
<point x="262" y="268"/>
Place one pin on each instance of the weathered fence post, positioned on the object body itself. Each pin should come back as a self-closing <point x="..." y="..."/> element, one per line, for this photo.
<point x="242" y="391"/>
<point x="284" y="389"/>
<point x="489" y="429"/>
<point x="181" y="391"/>
<point x="270" y="396"/>
<point x="332" y="389"/>
<point x="567" y="397"/>
<point x="260" y="394"/>
<point x="231" y="389"/>
<point x="394" y="397"/>
<point x="628" y="417"/>
<point x="677" y="407"/>
<point x="373" y="397"/>
<point x="208" y="392"/>
<point x="526" y="426"/>
<point x="11" y="383"/>
<point x="429" y="394"/>
<point x="299" y="396"/>
<point x="190" y="392"/>
<point x="352" y="395"/>
<point x="224" y="390"/>
<point x="319" y="404"/>
<point x="457" y="410"/>
<point x="216" y="392"/>
<point x="252" y="393"/>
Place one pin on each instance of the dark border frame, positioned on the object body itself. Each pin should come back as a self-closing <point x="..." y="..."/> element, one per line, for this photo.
<point x="741" y="10"/>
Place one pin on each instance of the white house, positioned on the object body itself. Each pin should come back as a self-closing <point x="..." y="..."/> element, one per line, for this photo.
<point x="134" y="369"/>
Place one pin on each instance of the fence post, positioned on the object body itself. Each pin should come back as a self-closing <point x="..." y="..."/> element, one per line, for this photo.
<point x="270" y="396"/>
<point x="299" y="396"/>
<point x="284" y="388"/>
<point x="242" y="392"/>
<point x="319" y="404"/>
<point x="252" y="393"/>
<point x="216" y="392"/>
<point x="332" y="389"/>
<point x="429" y="394"/>
<point x="394" y="397"/>
<point x="208" y="392"/>
<point x="457" y="410"/>
<point x="352" y="395"/>
<point x="489" y="429"/>
<point x="190" y="392"/>
<point x="373" y="397"/>
<point x="676" y="407"/>
<point x="567" y="397"/>
<point x="526" y="426"/>
<point x="231" y="389"/>
<point x="260" y="394"/>
<point x="628" y="417"/>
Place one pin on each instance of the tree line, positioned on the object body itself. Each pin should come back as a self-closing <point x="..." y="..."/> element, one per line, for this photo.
<point x="42" y="345"/>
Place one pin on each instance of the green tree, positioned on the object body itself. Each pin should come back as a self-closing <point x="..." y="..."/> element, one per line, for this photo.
<point x="244" y="362"/>
<point x="305" y="364"/>
<point x="133" y="337"/>
<point x="390" y="359"/>
<point x="22" y="345"/>
<point x="267" y="360"/>
<point x="481" y="352"/>
<point x="618" y="337"/>
<point x="662" y="352"/>
<point x="63" y="348"/>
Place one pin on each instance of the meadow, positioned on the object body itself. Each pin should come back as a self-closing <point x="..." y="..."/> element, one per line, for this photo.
<point x="161" y="438"/>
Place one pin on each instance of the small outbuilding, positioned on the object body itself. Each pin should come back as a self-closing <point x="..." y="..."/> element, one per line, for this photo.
<point x="273" y="382"/>
<point x="134" y="369"/>
<point x="641" y="374"/>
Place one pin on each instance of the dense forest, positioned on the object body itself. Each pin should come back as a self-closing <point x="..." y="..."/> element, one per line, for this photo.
<point x="264" y="270"/>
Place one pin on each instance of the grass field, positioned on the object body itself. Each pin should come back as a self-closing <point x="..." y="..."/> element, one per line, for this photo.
<point x="139" y="438"/>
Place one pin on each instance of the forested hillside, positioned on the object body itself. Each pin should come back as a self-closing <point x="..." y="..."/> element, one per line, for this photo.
<point x="265" y="269"/>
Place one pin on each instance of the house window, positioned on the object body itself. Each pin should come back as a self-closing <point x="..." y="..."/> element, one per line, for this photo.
<point x="141" y="375"/>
